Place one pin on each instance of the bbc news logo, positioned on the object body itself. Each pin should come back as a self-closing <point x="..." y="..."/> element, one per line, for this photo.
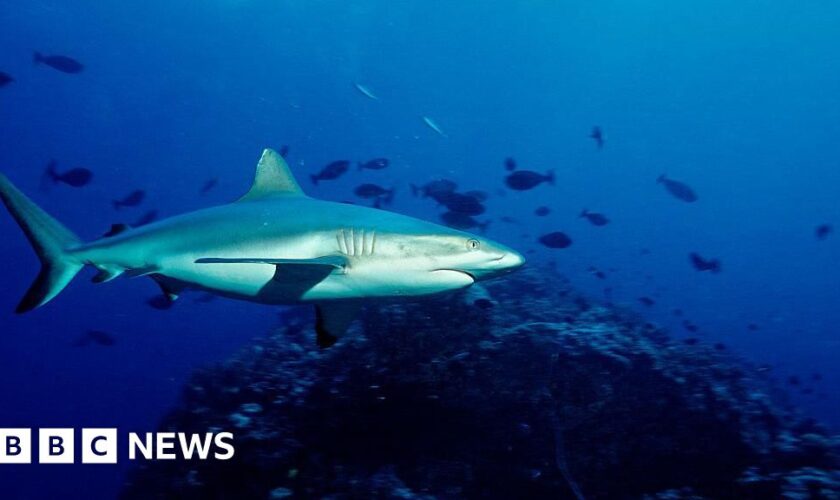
<point x="99" y="446"/>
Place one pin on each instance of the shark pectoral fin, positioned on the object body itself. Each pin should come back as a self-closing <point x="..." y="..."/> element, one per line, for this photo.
<point x="332" y="319"/>
<point x="273" y="178"/>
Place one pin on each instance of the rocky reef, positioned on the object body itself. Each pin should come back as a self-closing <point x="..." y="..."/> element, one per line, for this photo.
<point x="529" y="391"/>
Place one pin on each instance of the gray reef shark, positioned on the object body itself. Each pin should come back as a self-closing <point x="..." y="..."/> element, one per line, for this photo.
<point x="275" y="245"/>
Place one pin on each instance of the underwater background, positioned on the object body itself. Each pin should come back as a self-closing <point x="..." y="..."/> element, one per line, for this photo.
<point x="737" y="100"/>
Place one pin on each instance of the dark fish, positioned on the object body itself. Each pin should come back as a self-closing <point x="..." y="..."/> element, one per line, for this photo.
<point x="510" y="164"/>
<point x="374" y="191"/>
<point x="374" y="164"/>
<point x="332" y="171"/>
<point x="688" y="325"/>
<point x="132" y="199"/>
<point x="76" y="177"/>
<point x="647" y="301"/>
<point x="542" y="211"/>
<point x="146" y="218"/>
<point x="678" y="190"/>
<point x="822" y="231"/>
<point x="284" y="150"/>
<point x="816" y="376"/>
<point x="462" y="204"/>
<point x="702" y="264"/>
<point x="210" y="184"/>
<point x="5" y="79"/>
<point x="598" y="136"/>
<point x="523" y="180"/>
<point x="794" y="380"/>
<point x="61" y="63"/>
<point x="691" y="341"/>
<point x="752" y="327"/>
<point x="97" y="337"/>
<point x="462" y="221"/>
<point x="720" y="347"/>
<point x="597" y="273"/>
<point x="595" y="219"/>
<point x="435" y="189"/>
<point x="556" y="239"/>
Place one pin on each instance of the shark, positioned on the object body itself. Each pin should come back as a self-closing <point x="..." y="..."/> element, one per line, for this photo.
<point x="274" y="245"/>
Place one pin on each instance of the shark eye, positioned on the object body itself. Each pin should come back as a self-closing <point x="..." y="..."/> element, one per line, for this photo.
<point x="473" y="245"/>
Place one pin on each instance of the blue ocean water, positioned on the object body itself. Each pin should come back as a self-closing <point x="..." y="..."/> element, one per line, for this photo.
<point x="737" y="100"/>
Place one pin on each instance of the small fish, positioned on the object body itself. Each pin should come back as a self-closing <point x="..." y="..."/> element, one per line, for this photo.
<point x="597" y="135"/>
<point x="822" y="231"/>
<point x="76" y="177"/>
<point x="462" y="221"/>
<point x="208" y="185"/>
<point x="97" y="337"/>
<point x="5" y="79"/>
<point x="691" y="341"/>
<point x="701" y="264"/>
<point x="595" y="219"/>
<point x="374" y="191"/>
<point x="61" y="63"/>
<point x="462" y="204"/>
<point x="366" y="91"/>
<point x="434" y="126"/>
<point x="678" y="190"/>
<point x="132" y="199"/>
<point x="556" y="239"/>
<point x="688" y="325"/>
<point x="146" y="218"/>
<point x="794" y="380"/>
<point x="542" y="211"/>
<point x="332" y="171"/>
<point x="434" y="189"/>
<point x="523" y="180"/>
<point x="647" y="301"/>
<point x="752" y="327"/>
<point x="510" y="164"/>
<point x="374" y="164"/>
<point x="479" y="195"/>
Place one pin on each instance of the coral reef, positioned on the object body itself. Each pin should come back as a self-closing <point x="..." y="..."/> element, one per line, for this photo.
<point x="534" y="393"/>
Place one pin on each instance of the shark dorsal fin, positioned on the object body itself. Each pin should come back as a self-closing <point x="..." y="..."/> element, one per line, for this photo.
<point x="273" y="178"/>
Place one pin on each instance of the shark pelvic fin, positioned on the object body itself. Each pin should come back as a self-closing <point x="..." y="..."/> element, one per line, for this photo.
<point x="332" y="319"/>
<point x="273" y="178"/>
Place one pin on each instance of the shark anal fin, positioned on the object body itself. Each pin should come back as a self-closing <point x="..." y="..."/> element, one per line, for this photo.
<point x="170" y="288"/>
<point x="273" y="178"/>
<point x="332" y="319"/>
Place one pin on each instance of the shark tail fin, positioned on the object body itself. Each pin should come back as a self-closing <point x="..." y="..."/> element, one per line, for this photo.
<point x="49" y="239"/>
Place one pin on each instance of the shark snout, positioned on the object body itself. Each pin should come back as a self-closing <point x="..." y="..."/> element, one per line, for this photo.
<point x="503" y="262"/>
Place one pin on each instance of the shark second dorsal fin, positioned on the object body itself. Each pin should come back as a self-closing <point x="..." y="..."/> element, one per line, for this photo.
<point x="273" y="178"/>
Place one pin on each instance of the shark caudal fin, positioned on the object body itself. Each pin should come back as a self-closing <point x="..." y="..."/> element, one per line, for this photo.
<point x="49" y="239"/>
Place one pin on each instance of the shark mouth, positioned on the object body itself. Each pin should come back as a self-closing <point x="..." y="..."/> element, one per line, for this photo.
<point x="472" y="277"/>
